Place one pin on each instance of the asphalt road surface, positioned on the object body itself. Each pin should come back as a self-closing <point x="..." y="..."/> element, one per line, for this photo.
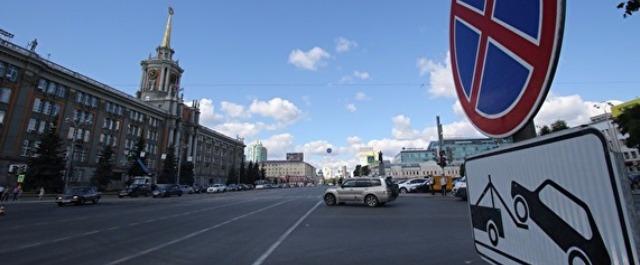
<point x="285" y="226"/>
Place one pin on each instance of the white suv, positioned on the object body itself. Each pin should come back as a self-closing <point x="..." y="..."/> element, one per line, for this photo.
<point x="411" y="185"/>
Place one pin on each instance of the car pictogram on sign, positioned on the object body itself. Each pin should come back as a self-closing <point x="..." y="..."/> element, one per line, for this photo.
<point x="503" y="55"/>
<point x="580" y="249"/>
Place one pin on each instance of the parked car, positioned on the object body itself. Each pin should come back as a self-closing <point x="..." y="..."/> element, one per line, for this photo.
<point x="411" y="185"/>
<point x="460" y="188"/>
<point x="78" y="196"/>
<point x="216" y="188"/>
<point x="186" y="189"/>
<point x="233" y="187"/>
<point x="198" y="189"/>
<point x="167" y="190"/>
<point x="135" y="190"/>
<point x="263" y="186"/>
<point x="370" y="191"/>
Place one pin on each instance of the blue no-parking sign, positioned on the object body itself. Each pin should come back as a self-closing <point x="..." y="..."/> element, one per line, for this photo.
<point x="504" y="54"/>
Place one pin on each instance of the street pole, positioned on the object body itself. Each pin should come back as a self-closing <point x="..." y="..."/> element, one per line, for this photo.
<point x="73" y="149"/>
<point x="179" y="164"/>
<point x="527" y="132"/>
<point x="440" y="149"/>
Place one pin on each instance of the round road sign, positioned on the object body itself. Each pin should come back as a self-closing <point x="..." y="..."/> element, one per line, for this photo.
<point x="504" y="54"/>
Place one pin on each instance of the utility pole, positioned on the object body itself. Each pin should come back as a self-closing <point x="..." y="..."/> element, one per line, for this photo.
<point x="441" y="153"/>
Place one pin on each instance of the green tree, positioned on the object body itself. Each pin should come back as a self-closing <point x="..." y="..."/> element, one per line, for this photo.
<point x="559" y="125"/>
<point x="254" y="173"/>
<point x="630" y="7"/>
<point x="248" y="172"/>
<point x="629" y="123"/>
<point x="545" y="130"/>
<point x="366" y="171"/>
<point x="231" y="176"/>
<point x="169" y="167"/>
<point x="186" y="173"/>
<point x="357" y="171"/>
<point x="134" y="167"/>
<point x="104" y="171"/>
<point x="263" y="173"/>
<point x="242" y="171"/>
<point x="45" y="167"/>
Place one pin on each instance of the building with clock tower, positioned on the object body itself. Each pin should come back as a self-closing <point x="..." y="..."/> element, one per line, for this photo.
<point x="36" y="93"/>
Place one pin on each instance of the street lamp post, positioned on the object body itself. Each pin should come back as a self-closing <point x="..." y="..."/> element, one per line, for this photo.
<point x="72" y="153"/>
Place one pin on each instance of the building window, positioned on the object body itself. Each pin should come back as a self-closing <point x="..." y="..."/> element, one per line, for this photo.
<point x="12" y="73"/>
<point x="61" y="92"/>
<point x="2" y="69"/>
<point x="633" y="154"/>
<point x="2" y="113"/>
<point x="31" y="127"/>
<point x="51" y="88"/>
<point x="25" y="148"/>
<point x="42" y="84"/>
<point x="5" y="94"/>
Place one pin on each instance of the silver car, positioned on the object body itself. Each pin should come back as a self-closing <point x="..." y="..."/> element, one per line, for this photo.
<point x="370" y="191"/>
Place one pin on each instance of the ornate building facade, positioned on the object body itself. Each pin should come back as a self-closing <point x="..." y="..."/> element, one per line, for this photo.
<point x="36" y="92"/>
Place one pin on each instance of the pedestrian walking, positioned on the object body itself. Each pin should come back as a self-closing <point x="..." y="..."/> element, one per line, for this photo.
<point x="443" y="185"/>
<point x="41" y="194"/>
<point x="16" y="192"/>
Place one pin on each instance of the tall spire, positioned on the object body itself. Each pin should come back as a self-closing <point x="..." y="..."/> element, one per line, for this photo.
<point x="166" y="38"/>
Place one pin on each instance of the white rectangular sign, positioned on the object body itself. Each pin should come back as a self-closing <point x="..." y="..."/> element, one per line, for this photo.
<point x="553" y="200"/>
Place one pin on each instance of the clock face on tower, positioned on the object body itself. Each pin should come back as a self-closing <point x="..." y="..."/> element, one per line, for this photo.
<point x="153" y="74"/>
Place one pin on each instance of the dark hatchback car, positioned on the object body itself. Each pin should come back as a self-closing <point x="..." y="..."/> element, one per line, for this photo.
<point x="78" y="196"/>
<point x="166" y="190"/>
<point x="136" y="190"/>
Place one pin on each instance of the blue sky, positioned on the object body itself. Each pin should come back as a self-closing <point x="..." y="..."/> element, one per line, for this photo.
<point x="277" y="67"/>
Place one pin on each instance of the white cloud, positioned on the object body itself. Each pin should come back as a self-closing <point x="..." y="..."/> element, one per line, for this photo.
<point x="361" y="96"/>
<point x="440" y="76"/>
<point x="351" y="107"/>
<point x="242" y="129"/>
<point x="345" y="45"/>
<point x="279" y="109"/>
<point x="317" y="148"/>
<point x="457" y="109"/>
<point x="234" y="110"/>
<point x="460" y="129"/>
<point x="309" y="60"/>
<point x="572" y="109"/>
<point x="278" y="145"/>
<point x="402" y="128"/>
<point x="362" y="75"/>
<point x="208" y="116"/>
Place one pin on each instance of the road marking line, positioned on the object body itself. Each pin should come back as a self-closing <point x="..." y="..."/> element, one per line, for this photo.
<point x="196" y="233"/>
<point x="284" y="236"/>
<point x="23" y="247"/>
